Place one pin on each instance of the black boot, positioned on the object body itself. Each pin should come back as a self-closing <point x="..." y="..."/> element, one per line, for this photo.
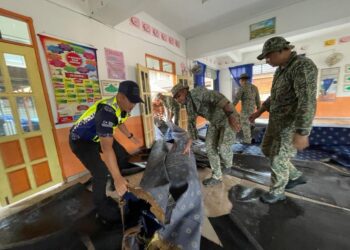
<point x="226" y="171"/>
<point x="272" y="198"/>
<point x="292" y="183"/>
<point x="211" y="182"/>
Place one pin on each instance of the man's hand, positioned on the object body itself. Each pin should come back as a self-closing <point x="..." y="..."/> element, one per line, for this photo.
<point x="234" y="123"/>
<point x="187" y="147"/>
<point x="121" y="186"/>
<point x="300" y="142"/>
<point x="253" y="116"/>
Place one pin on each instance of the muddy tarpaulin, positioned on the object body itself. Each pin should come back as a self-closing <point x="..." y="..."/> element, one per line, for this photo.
<point x="48" y="224"/>
<point x="325" y="183"/>
<point x="171" y="177"/>
<point x="288" y="225"/>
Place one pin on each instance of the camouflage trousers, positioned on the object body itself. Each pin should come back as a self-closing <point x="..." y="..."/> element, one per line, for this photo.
<point x="278" y="146"/>
<point x="245" y="124"/>
<point x="218" y="143"/>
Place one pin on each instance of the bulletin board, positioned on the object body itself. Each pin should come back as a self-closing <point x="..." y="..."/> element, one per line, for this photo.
<point x="74" y="75"/>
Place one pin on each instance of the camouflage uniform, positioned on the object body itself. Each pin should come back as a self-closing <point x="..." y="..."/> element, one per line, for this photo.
<point x="292" y="106"/>
<point x="249" y="95"/>
<point x="173" y="107"/>
<point x="220" y="136"/>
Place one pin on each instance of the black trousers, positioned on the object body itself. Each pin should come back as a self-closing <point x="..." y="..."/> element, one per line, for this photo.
<point x="89" y="154"/>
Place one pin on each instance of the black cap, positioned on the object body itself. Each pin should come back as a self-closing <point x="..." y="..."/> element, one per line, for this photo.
<point x="131" y="90"/>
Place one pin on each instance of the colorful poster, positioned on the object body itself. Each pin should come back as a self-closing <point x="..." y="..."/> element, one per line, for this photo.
<point x="328" y="84"/>
<point x="109" y="88"/>
<point x="115" y="64"/>
<point x="263" y="28"/>
<point x="74" y="76"/>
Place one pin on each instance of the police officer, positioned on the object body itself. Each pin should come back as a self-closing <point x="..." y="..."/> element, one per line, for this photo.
<point x="223" y="119"/>
<point x="172" y="107"/>
<point x="92" y="134"/>
<point x="292" y="106"/>
<point x="248" y="94"/>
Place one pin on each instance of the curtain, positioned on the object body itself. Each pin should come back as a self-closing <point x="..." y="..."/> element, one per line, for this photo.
<point x="199" y="79"/>
<point x="216" y="81"/>
<point x="240" y="69"/>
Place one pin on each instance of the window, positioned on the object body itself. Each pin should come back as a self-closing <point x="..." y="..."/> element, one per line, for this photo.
<point x="14" y="30"/>
<point x="262" y="79"/>
<point x="152" y="63"/>
<point x="168" y="67"/>
<point x="160" y="64"/>
<point x="263" y="69"/>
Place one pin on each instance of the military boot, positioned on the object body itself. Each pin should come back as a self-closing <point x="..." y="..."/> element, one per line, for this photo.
<point x="226" y="171"/>
<point x="272" y="198"/>
<point x="292" y="183"/>
<point x="211" y="182"/>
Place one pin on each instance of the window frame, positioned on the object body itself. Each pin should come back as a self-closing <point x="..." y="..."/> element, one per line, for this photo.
<point x="161" y="60"/>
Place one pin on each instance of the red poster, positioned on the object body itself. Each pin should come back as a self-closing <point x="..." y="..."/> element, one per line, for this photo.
<point x="115" y="64"/>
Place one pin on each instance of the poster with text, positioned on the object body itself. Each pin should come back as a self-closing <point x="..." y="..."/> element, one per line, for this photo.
<point x="109" y="87"/>
<point x="328" y="84"/>
<point x="115" y="64"/>
<point x="74" y="76"/>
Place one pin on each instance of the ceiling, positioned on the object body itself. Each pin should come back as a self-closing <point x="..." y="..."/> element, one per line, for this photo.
<point x="188" y="18"/>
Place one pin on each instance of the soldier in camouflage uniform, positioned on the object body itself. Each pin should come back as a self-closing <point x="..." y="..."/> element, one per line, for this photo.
<point x="248" y="94"/>
<point x="223" y="119"/>
<point x="292" y="106"/>
<point x="173" y="108"/>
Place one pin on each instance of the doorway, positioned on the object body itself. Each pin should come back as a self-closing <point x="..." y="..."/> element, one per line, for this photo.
<point x="29" y="161"/>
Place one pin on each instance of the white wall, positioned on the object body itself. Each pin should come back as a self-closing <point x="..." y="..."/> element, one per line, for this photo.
<point x="294" y="19"/>
<point x="60" y="22"/>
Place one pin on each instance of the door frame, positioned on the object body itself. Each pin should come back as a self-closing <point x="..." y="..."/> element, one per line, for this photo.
<point x="34" y="45"/>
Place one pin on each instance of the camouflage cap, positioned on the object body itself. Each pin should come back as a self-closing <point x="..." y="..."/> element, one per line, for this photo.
<point x="177" y="88"/>
<point x="273" y="44"/>
<point x="244" y="76"/>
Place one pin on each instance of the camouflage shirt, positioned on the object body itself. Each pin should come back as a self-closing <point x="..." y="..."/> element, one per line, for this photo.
<point x="249" y="95"/>
<point x="293" y="94"/>
<point x="171" y="104"/>
<point x="208" y="104"/>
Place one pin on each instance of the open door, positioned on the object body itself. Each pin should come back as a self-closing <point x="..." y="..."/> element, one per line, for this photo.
<point x="28" y="156"/>
<point x="146" y="108"/>
<point x="186" y="80"/>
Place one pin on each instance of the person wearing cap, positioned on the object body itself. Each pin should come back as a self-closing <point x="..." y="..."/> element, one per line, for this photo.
<point x="172" y="107"/>
<point x="223" y="119"/>
<point x="92" y="134"/>
<point x="248" y="94"/>
<point x="292" y="106"/>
